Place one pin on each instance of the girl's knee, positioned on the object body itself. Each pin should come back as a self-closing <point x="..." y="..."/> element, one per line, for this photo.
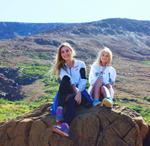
<point x="65" y="78"/>
<point x="65" y="81"/>
<point x="109" y="86"/>
<point x="98" y="84"/>
<point x="104" y="88"/>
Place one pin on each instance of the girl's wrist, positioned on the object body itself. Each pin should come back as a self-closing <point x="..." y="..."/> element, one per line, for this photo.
<point x="76" y="90"/>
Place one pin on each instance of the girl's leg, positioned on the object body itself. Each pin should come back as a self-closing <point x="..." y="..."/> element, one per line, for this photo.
<point x="65" y="89"/>
<point x="96" y="89"/>
<point x="66" y="99"/>
<point x="66" y="106"/>
<point x="105" y="92"/>
<point x="70" y="109"/>
<point x="111" y="90"/>
<point x="107" y="101"/>
<point x="96" y="92"/>
<point x="87" y="100"/>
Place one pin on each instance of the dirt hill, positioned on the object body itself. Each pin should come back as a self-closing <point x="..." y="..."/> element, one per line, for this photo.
<point x="128" y="40"/>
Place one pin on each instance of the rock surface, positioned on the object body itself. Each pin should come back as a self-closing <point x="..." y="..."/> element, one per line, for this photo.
<point x="97" y="126"/>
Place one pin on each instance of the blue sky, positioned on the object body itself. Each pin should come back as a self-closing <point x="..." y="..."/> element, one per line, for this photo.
<point x="47" y="11"/>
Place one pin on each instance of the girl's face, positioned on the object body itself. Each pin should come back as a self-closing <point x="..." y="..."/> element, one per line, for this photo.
<point x="66" y="53"/>
<point x="104" y="58"/>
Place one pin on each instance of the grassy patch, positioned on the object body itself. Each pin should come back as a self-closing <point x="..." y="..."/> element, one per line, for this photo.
<point x="146" y="62"/>
<point x="145" y="112"/>
<point x="147" y="98"/>
<point x="51" y="83"/>
<point x="33" y="69"/>
<point x="10" y="110"/>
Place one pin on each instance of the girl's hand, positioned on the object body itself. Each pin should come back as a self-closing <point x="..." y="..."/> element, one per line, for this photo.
<point x="99" y="82"/>
<point x="78" y="97"/>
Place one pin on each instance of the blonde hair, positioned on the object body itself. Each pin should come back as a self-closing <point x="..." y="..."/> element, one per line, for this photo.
<point x="104" y="50"/>
<point x="59" y="61"/>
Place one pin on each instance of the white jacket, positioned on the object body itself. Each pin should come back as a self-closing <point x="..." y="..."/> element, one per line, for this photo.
<point x="108" y="74"/>
<point x="74" y="74"/>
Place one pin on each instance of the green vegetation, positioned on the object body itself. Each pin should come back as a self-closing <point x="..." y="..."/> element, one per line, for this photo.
<point x="10" y="110"/>
<point x="146" y="62"/>
<point x="145" y="112"/>
<point x="147" y="98"/>
<point x="142" y="109"/>
<point x="33" y="69"/>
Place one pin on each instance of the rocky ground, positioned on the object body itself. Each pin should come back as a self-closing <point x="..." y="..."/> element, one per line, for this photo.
<point x="92" y="127"/>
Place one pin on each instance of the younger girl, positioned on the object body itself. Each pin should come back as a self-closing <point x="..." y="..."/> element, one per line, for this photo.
<point x="72" y="73"/>
<point x="101" y="78"/>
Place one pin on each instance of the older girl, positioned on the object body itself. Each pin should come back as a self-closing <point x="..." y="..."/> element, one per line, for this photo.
<point x="101" y="78"/>
<point x="72" y="74"/>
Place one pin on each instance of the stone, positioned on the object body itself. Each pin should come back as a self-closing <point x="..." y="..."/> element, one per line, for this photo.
<point x="96" y="126"/>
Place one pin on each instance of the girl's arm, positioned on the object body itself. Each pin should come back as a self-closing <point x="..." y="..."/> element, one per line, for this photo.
<point x="112" y="76"/>
<point x="83" y="79"/>
<point x="92" y="75"/>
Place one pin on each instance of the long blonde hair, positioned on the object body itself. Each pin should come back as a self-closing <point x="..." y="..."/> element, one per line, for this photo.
<point x="104" y="50"/>
<point x="59" y="61"/>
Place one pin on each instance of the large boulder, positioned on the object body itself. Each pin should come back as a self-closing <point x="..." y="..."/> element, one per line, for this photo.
<point x="98" y="126"/>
